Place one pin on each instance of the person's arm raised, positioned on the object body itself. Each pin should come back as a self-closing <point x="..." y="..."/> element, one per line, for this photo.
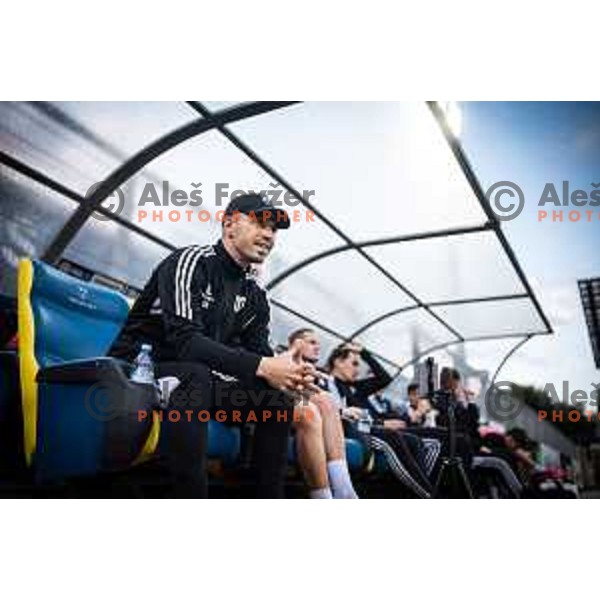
<point x="379" y="380"/>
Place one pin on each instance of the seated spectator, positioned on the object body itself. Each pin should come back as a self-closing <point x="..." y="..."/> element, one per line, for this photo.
<point x="207" y="319"/>
<point x="466" y="412"/>
<point x="475" y="454"/>
<point x="403" y="452"/>
<point x="343" y="383"/>
<point x="523" y="449"/>
<point x="452" y="395"/>
<point x="418" y="408"/>
<point x="383" y="406"/>
<point x="319" y="434"/>
<point x="514" y="451"/>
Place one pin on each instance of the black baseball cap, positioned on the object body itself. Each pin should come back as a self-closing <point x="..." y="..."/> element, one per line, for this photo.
<point x="257" y="205"/>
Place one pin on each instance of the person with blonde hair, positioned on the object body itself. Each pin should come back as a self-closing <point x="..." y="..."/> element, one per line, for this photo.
<point x="318" y="427"/>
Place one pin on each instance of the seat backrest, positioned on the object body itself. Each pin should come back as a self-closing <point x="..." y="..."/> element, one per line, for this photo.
<point x="60" y="318"/>
<point x="72" y="319"/>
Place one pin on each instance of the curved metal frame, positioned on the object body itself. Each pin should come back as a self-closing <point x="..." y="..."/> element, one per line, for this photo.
<point x="403" y="309"/>
<point x="141" y="159"/>
<point x="238" y="143"/>
<point x="53" y="185"/>
<point x="218" y="121"/>
<point x="379" y="242"/>
<point x="465" y="165"/>
<point x="330" y="332"/>
<point x="481" y="338"/>
<point x="508" y="355"/>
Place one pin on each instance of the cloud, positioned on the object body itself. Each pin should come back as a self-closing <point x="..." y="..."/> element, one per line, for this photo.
<point x="561" y="303"/>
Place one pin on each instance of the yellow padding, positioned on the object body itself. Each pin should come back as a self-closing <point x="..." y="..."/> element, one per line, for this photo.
<point x="151" y="442"/>
<point x="28" y="364"/>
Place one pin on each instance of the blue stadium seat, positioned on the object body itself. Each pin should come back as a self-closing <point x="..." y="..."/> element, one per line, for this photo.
<point x="80" y="411"/>
<point x="356" y="455"/>
<point x="65" y="329"/>
<point x="224" y="442"/>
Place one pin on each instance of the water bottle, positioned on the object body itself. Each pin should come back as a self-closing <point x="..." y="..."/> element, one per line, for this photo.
<point x="364" y="422"/>
<point x="430" y="419"/>
<point x="143" y="367"/>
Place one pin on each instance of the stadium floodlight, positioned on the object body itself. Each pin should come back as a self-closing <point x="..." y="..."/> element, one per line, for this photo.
<point x="589" y="289"/>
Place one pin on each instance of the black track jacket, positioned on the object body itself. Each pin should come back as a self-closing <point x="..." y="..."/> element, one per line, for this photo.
<point x="200" y="306"/>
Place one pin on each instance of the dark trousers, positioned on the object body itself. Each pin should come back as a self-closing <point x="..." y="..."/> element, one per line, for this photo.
<point x="409" y="449"/>
<point x="464" y="447"/>
<point x="183" y="444"/>
<point x="405" y="447"/>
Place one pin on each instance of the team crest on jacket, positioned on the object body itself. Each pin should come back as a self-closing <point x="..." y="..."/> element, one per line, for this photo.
<point x="239" y="303"/>
<point x="207" y="297"/>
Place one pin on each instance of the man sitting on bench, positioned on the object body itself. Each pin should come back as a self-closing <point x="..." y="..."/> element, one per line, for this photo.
<point x="207" y="320"/>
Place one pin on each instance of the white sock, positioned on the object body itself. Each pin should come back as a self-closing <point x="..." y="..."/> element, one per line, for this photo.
<point x="320" y="494"/>
<point x="339" y="478"/>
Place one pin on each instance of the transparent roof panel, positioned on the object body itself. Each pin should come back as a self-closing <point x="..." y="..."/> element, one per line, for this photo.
<point x="112" y="250"/>
<point x="505" y="317"/>
<point x="303" y="239"/>
<point x="208" y="168"/>
<point x="473" y="357"/>
<point x="214" y="105"/>
<point x="126" y="127"/>
<point x="451" y="268"/>
<point x="476" y="361"/>
<point x="378" y="169"/>
<point x="283" y="323"/>
<point x="81" y="143"/>
<point x="30" y="216"/>
<point x="484" y="355"/>
<point x="342" y="292"/>
<point x="402" y="337"/>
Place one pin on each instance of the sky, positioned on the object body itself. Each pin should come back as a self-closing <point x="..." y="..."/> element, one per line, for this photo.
<point x="532" y="144"/>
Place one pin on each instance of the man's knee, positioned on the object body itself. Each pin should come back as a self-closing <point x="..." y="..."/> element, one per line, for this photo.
<point x="194" y="388"/>
<point x="307" y="417"/>
<point x="326" y="404"/>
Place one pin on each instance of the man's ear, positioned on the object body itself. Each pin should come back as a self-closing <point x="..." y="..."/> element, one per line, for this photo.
<point x="295" y="350"/>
